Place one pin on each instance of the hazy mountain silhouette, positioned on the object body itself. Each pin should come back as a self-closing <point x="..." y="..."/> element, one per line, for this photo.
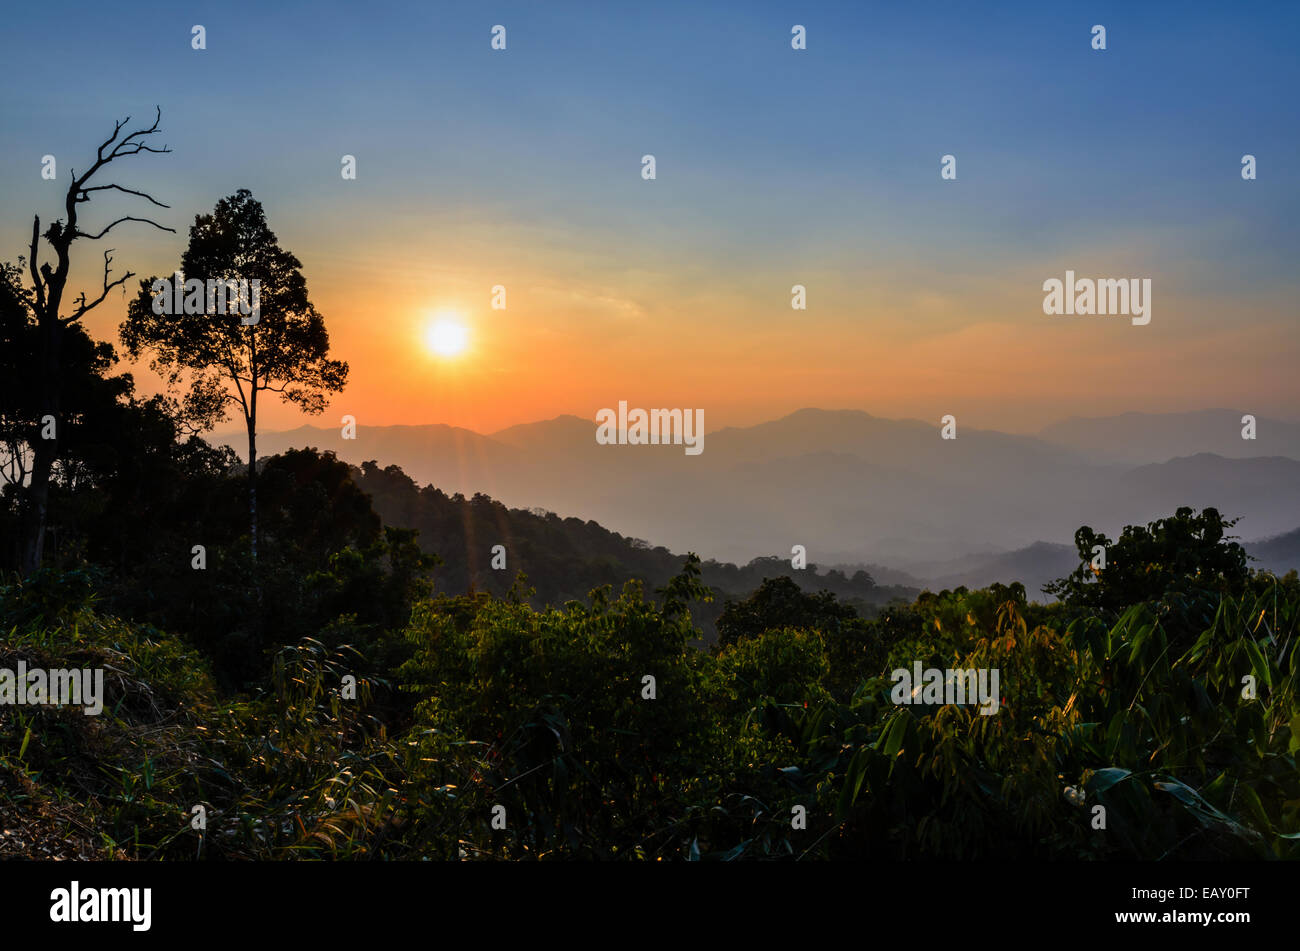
<point x="851" y="487"/>
<point x="1033" y="566"/>
<point x="1157" y="437"/>
<point x="1279" y="554"/>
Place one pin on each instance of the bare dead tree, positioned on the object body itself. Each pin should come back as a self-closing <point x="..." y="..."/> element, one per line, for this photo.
<point x="50" y="282"/>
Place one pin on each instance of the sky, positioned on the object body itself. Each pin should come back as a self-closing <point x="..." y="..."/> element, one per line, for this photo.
<point x="774" y="167"/>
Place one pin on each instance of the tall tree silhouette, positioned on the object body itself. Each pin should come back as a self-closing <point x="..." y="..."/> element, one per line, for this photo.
<point x="49" y="285"/>
<point x="227" y="358"/>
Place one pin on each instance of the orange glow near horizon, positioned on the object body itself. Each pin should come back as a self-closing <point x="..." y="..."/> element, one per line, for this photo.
<point x="579" y="335"/>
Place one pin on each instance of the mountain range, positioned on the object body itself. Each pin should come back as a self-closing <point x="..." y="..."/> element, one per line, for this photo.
<point x="856" y="489"/>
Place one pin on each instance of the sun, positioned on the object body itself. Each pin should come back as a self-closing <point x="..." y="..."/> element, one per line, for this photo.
<point x="447" y="337"/>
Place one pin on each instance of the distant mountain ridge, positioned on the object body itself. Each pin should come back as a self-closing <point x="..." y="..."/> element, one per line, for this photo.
<point x="1279" y="554"/>
<point x="1042" y="562"/>
<point x="1159" y="437"/>
<point x="852" y="487"/>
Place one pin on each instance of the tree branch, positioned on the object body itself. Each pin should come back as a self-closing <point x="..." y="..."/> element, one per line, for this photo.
<point x="129" y="191"/>
<point x="117" y="127"/>
<point x="117" y="150"/>
<point x="148" y="221"/>
<point x="36" y="278"/>
<point x="84" y="307"/>
<point x="125" y="147"/>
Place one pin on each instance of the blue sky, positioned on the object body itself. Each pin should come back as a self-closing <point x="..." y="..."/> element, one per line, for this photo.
<point x="822" y="163"/>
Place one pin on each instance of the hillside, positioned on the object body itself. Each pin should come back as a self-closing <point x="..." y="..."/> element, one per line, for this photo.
<point x="565" y="558"/>
<point x="337" y="753"/>
<point x="1278" y="554"/>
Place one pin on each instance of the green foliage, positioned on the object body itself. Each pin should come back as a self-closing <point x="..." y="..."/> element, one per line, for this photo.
<point x="779" y="602"/>
<point x="1182" y="554"/>
<point x="1179" y="716"/>
<point x="546" y="713"/>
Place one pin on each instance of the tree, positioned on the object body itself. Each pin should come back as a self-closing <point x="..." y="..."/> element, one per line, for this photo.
<point x="780" y="602"/>
<point x="1145" y="563"/>
<point x="49" y="284"/>
<point x="18" y="384"/>
<point x="88" y="395"/>
<point x="227" y="358"/>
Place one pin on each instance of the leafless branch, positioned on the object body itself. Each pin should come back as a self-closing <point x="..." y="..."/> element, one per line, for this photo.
<point x="148" y="221"/>
<point x="129" y="191"/>
<point x="83" y="307"/>
<point x="117" y="127"/>
<point x="36" y="277"/>
<point x="138" y="146"/>
<point x="127" y="146"/>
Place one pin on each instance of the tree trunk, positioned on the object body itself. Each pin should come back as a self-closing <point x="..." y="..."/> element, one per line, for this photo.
<point x="44" y="451"/>
<point x="38" y="495"/>
<point x="252" y="475"/>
